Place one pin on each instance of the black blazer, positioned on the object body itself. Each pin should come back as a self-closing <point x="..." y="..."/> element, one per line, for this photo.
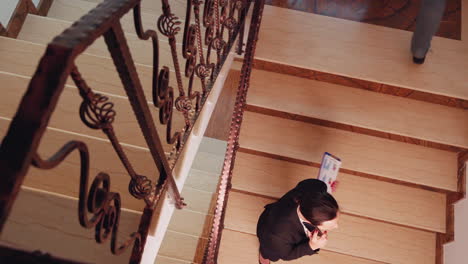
<point x="279" y="229"/>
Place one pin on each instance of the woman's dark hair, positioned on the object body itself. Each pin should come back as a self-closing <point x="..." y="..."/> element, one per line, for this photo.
<point x="317" y="207"/>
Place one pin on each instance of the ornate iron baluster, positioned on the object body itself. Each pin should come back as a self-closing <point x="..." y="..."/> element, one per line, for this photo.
<point x="163" y="95"/>
<point x="97" y="112"/>
<point x="168" y="25"/>
<point x="104" y="205"/>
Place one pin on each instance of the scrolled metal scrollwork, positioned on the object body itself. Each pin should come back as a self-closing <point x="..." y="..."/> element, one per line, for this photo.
<point x="97" y="112"/>
<point x="140" y="187"/>
<point x="98" y="201"/>
<point x="162" y="93"/>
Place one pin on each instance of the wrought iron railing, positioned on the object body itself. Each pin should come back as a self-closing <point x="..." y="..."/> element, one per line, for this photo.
<point x="211" y="252"/>
<point x="210" y="30"/>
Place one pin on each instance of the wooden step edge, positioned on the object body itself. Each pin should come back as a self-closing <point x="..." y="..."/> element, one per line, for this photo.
<point x="342" y="212"/>
<point x="172" y="71"/>
<point x="23" y="8"/>
<point x="353" y="128"/>
<point x="360" y="84"/>
<point x="348" y="171"/>
<point x="455" y="197"/>
<point x="71" y="198"/>
<point x="162" y="39"/>
<point x="101" y="136"/>
<point x="93" y="4"/>
<point x="440" y="238"/>
<point x="322" y="250"/>
<point x="135" y="147"/>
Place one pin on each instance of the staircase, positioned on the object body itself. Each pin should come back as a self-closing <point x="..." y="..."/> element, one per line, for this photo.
<point x="44" y="216"/>
<point x="325" y="84"/>
<point x="318" y="84"/>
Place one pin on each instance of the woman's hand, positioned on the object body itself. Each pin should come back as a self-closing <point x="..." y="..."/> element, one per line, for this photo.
<point x="317" y="242"/>
<point x="334" y="185"/>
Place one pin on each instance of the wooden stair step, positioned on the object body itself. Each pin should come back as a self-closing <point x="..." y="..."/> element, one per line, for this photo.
<point x="66" y="114"/>
<point x="42" y="30"/>
<point x="22" y="57"/>
<point x="73" y="10"/>
<point x="356" y="107"/>
<point x="356" y="236"/>
<point x="356" y="195"/>
<point x="103" y="158"/>
<point x="178" y="7"/>
<point x="237" y="247"/>
<point x="362" y="51"/>
<point x="49" y="222"/>
<point x="360" y="153"/>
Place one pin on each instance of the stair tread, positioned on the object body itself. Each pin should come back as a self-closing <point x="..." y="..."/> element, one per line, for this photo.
<point x="356" y="195"/>
<point x="72" y="10"/>
<point x="103" y="159"/>
<point x="56" y="229"/>
<point x="178" y="7"/>
<point x="42" y="30"/>
<point x="362" y="51"/>
<point x="359" y="237"/>
<point x="360" y="153"/>
<point x="67" y="115"/>
<point x="357" y="107"/>
<point x="237" y="247"/>
<point x="22" y="57"/>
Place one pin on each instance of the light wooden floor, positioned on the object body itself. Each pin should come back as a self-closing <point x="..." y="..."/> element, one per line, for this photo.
<point x="188" y="232"/>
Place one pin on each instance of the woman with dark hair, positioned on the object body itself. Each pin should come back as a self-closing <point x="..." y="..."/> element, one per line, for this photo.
<point x="298" y="223"/>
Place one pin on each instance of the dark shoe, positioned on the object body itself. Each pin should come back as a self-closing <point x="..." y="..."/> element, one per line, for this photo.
<point x="418" y="60"/>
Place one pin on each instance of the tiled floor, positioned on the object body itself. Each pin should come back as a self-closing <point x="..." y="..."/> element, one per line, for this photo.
<point x="187" y="235"/>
